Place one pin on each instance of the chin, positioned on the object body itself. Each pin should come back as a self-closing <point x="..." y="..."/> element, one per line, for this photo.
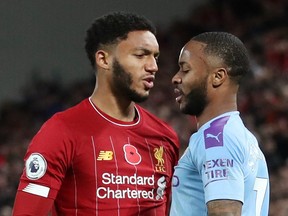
<point x="140" y="99"/>
<point x="182" y="108"/>
<point x="144" y="94"/>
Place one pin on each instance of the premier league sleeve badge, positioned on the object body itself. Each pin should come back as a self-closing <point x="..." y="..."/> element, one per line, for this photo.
<point x="36" y="166"/>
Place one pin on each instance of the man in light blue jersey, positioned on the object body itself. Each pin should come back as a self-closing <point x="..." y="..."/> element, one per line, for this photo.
<point x="223" y="171"/>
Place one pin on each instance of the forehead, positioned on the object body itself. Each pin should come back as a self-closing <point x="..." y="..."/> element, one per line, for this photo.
<point x="192" y="51"/>
<point x="140" y="40"/>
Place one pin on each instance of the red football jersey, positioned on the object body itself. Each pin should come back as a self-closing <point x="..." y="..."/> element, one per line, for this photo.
<point x="92" y="164"/>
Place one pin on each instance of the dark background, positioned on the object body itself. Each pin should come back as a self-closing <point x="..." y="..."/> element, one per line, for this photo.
<point x="46" y="38"/>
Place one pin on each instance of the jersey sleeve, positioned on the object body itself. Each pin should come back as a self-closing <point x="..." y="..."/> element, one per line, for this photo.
<point x="47" y="159"/>
<point x="222" y="172"/>
<point x="222" y="166"/>
<point x="29" y="204"/>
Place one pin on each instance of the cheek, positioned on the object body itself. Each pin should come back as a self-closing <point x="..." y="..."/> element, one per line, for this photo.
<point x="130" y="67"/>
<point x="132" y="62"/>
<point x="187" y="85"/>
<point x="133" y="70"/>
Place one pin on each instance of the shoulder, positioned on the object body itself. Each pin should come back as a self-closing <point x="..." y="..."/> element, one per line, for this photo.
<point x="149" y="117"/>
<point x="226" y="131"/>
<point x="70" y="116"/>
<point x="75" y="110"/>
<point x="229" y="124"/>
<point x="153" y="122"/>
<point x="236" y="130"/>
<point x="75" y="114"/>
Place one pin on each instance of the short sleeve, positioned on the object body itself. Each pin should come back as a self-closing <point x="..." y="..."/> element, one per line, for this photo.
<point x="47" y="159"/>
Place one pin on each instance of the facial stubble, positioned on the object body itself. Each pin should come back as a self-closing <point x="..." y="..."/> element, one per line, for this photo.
<point x="122" y="82"/>
<point x="196" y="100"/>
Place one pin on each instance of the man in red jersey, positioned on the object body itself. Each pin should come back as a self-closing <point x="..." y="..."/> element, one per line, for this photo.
<point x="106" y="155"/>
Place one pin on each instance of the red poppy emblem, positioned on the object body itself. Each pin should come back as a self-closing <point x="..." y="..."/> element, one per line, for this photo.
<point x="131" y="154"/>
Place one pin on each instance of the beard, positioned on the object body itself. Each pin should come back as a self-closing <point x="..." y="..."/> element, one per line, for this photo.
<point x="122" y="81"/>
<point x="196" y="100"/>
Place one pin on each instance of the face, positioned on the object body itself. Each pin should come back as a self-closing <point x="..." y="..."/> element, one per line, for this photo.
<point x="134" y="66"/>
<point x="122" y="82"/>
<point x="191" y="79"/>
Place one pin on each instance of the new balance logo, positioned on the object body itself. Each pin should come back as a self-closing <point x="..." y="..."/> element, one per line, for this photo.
<point x="105" y="155"/>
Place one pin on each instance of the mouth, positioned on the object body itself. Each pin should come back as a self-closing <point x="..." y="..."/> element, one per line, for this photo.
<point x="149" y="82"/>
<point x="179" y="95"/>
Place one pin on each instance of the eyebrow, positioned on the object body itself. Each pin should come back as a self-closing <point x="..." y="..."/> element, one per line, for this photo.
<point x="182" y="63"/>
<point x="147" y="51"/>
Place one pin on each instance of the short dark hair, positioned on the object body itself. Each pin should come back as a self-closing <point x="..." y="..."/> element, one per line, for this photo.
<point x="230" y="49"/>
<point x="110" y="28"/>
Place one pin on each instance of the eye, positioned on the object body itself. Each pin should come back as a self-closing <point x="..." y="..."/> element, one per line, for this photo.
<point x="139" y="55"/>
<point x="184" y="67"/>
<point x="156" y="58"/>
<point x="184" y="70"/>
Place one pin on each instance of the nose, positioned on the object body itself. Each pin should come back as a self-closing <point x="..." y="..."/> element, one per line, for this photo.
<point x="176" y="79"/>
<point x="151" y="65"/>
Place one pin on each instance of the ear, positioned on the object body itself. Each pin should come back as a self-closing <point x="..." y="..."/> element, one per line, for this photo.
<point x="219" y="77"/>
<point x="101" y="59"/>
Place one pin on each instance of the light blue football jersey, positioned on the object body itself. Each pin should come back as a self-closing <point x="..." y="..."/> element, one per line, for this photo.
<point x="223" y="161"/>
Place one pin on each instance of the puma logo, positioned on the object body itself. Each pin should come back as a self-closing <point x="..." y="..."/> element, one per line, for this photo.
<point x="209" y="135"/>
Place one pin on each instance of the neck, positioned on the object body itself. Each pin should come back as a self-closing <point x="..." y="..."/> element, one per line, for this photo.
<point x="122" y="110"/>
<point x="216" y="109"/>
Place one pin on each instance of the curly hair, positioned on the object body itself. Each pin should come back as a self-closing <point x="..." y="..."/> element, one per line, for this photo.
<point x="111" y="28"/>
<point x="230" y="49"/>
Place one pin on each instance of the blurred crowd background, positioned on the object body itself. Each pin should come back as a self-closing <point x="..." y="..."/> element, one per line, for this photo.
<point x="263" y="99"/>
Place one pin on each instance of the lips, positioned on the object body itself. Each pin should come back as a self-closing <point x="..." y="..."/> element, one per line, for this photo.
<point x="179" y="94"/>
<point x="149" y="82"/>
